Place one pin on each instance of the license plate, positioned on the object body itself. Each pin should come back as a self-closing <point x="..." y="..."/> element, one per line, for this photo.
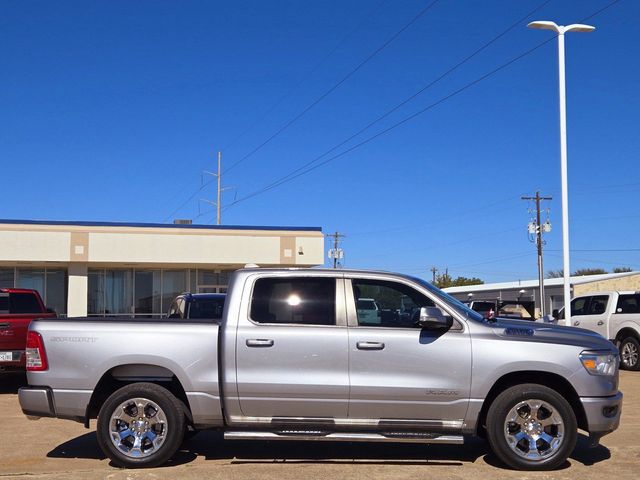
<point x="6" y="356"/>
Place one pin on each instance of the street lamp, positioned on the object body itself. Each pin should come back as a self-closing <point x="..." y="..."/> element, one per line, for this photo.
<point x="561" y="30"/>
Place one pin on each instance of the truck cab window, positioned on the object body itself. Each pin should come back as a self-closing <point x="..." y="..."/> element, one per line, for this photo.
<point x="23" y="303"/>
<point x="304" y="301"/>
<point x="387" y="304"/>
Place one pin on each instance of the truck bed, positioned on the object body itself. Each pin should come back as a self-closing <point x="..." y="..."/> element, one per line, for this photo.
<point x="83" y="352"/>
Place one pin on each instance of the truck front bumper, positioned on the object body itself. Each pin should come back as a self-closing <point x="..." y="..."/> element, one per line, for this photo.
<point x="36" y="402"/>
<point x="603" y="415"/>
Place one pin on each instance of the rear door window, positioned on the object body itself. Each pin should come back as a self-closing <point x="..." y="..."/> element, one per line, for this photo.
<point x="598" y="305"/>
<point x="304" y="301"/>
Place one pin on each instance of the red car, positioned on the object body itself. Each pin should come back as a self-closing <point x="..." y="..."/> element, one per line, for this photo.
<point x="18" y="306"/>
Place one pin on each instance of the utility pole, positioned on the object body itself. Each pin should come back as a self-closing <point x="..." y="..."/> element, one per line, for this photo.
<point x="536" y="230"/>
<point x="336" y="253"/>
<point x="433" y="271"/>
<point x="219" y="176"/>
<point x="220" y="189"/>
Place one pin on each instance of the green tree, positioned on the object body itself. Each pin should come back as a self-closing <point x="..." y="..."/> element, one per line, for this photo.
<point x="589" y="271"/>
<point x="462" y="281"/>
<point x="445" y="280"/>
<point x="622" y="270"/>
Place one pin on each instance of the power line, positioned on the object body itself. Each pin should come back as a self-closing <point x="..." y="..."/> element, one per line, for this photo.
<point x="335" y="86"/>
<point x="188" y="199"/>
<point x="290" y="177"/>
<point x="598" y="250"/>
<point x="303" y="80"/>
<point x="420" y="91"/>
<point x="302" y="171"/>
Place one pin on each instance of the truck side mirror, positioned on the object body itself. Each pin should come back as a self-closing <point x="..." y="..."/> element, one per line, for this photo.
<point x="555" y="313"/>
<point x="432" y="318"/>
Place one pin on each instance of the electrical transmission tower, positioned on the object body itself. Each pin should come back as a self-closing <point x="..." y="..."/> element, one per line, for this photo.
<point x="336" y="253"/>
<point x="535" y="236"/>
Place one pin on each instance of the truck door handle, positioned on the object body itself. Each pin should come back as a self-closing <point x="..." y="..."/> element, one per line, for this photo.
<point x="576" y="323"/>
<point x="600" y="322"/>
<point x="369" y="345"/>
<point x="259" y="342"/>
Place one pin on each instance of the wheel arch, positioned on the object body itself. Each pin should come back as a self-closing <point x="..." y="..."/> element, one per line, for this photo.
<point x="547" y="379"/>
<point x="625" y="332"/>
<point x="126" y="374"/>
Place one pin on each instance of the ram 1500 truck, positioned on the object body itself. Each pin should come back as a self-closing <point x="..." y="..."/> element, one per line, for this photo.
<point x="614" y="315"/>
<point x="18" y="307"/>
<point x="292" y="359"/>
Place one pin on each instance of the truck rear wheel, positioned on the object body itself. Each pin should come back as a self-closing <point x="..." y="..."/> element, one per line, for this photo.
<point x="629" y="354"/>
<point x="140" y="425"/>
<point x="531" y="427"/>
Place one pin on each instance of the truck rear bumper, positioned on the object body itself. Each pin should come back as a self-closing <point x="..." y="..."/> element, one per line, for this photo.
<point x="17" y="362"/>
<point x="36" y="402"/>
<point x="603" y="414"/>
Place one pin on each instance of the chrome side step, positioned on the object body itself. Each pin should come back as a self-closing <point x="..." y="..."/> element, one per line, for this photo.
<point x="344" y="436"/>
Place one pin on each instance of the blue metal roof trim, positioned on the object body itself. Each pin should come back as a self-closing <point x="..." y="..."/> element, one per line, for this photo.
<point x="157" y="225"/>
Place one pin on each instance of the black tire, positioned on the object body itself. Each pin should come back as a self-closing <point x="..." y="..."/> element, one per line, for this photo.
<point x="630" y="354"/>
<point x="524" y="396"/>
<point x="171" y="430"/>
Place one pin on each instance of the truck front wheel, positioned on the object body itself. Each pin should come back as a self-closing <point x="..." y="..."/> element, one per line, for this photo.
<point x="629" y="354"/>
<point x="140" y="425"/>
<point x="531" y="427"/>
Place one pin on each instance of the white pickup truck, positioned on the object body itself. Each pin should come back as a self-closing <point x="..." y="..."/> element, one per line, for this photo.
<point x="614" y="315"/>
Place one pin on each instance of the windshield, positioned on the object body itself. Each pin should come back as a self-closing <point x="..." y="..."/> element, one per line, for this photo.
<point x="454" y="303"/>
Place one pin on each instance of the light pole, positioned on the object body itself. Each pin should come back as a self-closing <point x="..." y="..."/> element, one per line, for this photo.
<point x="561" y="30"/>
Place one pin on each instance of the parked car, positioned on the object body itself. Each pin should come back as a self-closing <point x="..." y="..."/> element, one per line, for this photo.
<point x="614" y="315"/>
<point x="368" y="311"/>
<point x="197" y="305"/>
<point x="292" y="359"/>
<point x="520" y="309"/>
<point x="18" y="307"/>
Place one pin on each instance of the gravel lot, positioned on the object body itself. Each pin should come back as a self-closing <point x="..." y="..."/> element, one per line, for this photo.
<point x="57" y="449"/>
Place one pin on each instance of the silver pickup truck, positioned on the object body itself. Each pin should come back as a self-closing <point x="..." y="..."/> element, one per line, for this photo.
<point x="294" y="358"/>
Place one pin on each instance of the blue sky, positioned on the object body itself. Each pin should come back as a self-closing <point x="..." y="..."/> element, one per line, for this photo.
<point x="111" y="110"/>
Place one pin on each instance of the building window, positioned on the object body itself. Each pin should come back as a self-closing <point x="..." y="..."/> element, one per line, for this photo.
<point x="147" y="292"/>
<point x="174" y="282"/>
<point x="95" y="301"/>
<point x="7" y="277"/>
<point x="210" y="281"/>
<point x="51" y="284"/>
<point x="139" y="293"/>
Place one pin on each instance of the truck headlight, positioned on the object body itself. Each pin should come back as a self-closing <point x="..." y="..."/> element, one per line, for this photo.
<point x="597" y="363"/>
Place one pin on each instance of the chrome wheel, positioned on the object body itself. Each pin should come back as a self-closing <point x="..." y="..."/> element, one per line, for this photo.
<point x="629" y="354"/>
<point x="534" y="429"/>
<point x="138" y="427"/>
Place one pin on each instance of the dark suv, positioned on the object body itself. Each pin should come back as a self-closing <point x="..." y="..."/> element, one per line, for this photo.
<point x="197" y="305"/>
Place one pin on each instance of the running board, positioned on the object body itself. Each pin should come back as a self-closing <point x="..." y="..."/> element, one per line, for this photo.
<point x="344" y="437"/>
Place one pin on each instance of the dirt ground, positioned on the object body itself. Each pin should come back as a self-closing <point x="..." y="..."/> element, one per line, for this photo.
<point x="57" y="449"/>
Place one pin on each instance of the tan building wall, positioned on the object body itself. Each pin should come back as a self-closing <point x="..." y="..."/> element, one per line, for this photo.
<point x="81" y="246"/>
<point x="140" y="245"/>
<point x="627" y="282"/>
